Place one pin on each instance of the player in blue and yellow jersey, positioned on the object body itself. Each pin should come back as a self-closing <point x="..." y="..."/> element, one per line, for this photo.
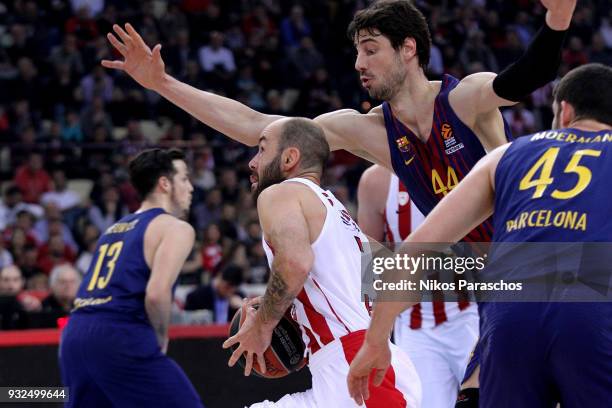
<point x="552" y="186"/>
<point x="112" y="352"/>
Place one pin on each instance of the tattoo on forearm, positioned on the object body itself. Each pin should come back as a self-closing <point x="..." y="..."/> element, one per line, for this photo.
<point x="276" y="300"/>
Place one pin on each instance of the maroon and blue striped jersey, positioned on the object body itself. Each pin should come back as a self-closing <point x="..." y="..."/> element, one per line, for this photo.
<point x="429" y="170"/>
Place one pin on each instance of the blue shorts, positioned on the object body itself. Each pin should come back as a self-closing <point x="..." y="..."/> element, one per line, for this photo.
<point x="108" y="363"/>
<point x="535" y="355"/>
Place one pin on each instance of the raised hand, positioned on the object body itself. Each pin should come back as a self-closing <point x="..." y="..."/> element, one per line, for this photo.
<point x="559" y="13"/>
<point x="140" y="62"/>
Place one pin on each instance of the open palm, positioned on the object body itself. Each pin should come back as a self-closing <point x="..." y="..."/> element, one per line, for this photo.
<point x="140" y="62"/>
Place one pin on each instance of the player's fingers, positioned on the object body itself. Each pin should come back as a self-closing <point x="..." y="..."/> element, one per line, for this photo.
<point x="235" y="356"/>
<point x="379" y="375"/>
<point x="123" y="35"/>
<point x="364" y="391"/>
<point x="113" y="64"/>
<point x="117" y="44"/>
<point x="157" y="53"/>
<point x="134" y="35"/>
<point x="351" y="382"/>
<point x="249" y="363"/>
<point x="229" y="342"/>
<point x="262" y="362"/>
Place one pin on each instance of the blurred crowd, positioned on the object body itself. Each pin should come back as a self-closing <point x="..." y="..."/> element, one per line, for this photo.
<point x="68" y="126"/>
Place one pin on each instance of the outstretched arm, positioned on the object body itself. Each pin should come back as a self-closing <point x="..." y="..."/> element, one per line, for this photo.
<point x="285" y="228"/>
<point x="146" y="67"/>
<point x="486" y="91"/>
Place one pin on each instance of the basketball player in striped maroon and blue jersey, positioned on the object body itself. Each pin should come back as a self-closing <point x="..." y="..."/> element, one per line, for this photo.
<point x="438" y="336"/>
<point x="552" y="186"/>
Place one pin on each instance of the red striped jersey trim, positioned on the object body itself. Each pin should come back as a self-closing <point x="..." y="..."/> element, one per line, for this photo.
<point x="316" y="319"/>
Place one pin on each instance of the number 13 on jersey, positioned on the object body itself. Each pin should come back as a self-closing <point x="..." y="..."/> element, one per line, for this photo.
<point x="107" y="257"/>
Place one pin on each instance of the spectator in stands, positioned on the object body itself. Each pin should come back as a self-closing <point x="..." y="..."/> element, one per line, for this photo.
<point x="295" y="27"/>
<point x="64" y="282"/>
<point x="107" y="212"/>
<point x="212" y="252"/>
<point x="94" y="116"/>
<point x="475" y="49"/>
<point x="215" y="58"/>
<point x="96" y="83"/>
<point x="55" y="252"/>
<point x="520" y="119"/>
<point x="32" y="179"/>
<point x="52" y="224"/>
<point x="305" y="59"/>
<point x="180" y="52"/>
<point x="210" y="211"/>
<point x="59" y="195"/>
<point x="28" y="262"/>
<point x="12" y="314"/>
<point x="221" y="296"/>
<point x="12" y="283"/>
<point x="600" y="52"/>
<point x="575" y="54"/>
<point x="12" y="204"/>
<point x="6" y="258"/>
<point x="68" y="55"/>
<point x="89" y="242"/>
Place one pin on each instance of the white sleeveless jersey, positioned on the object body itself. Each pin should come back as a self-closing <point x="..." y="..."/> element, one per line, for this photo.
<point x="401" y="218"/>
<point x="330" y="306"/>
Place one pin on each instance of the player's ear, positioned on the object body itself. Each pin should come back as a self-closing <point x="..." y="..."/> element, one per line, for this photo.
<point x="164" y="183"/>
<point x="289" y="158"/>
<point x="568" y="114"/>
<point x="408" y="49"/>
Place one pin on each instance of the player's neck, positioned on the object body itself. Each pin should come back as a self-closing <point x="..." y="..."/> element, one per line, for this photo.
<point x="415" y="98"/>
<point x="155" y="201"/>
<point x="588" y="125"/>
<point x="308" y="175"/>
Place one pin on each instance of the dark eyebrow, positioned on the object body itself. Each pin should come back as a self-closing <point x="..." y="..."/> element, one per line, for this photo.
<point x="367" y="39"/>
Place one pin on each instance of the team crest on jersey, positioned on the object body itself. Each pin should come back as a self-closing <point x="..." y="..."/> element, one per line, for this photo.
<point x="450" y="143"/>
<point x="405" y="147"/>
<point x="402" y="198"/>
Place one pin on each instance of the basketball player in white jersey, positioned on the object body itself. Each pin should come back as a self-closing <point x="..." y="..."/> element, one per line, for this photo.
<point x="314" y="249"/>
<point x="437" y="336"/>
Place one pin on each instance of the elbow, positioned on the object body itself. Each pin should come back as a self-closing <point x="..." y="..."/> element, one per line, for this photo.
<point x="156" y="297"/>
<point x="297" y="267"/>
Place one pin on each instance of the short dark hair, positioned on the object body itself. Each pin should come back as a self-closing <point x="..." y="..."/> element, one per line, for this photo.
<point x="588" y="89"/>
<point x="232" y="274"/>
<point x="396" y="20"/>
<point x="149" y="165"/>
<point x="309" y="139"/>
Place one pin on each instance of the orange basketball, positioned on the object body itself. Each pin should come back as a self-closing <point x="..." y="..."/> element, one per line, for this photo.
<point x="286" y="352"/>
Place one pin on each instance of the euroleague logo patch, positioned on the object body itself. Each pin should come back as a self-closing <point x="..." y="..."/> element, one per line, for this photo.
<point x="450" y="143"/>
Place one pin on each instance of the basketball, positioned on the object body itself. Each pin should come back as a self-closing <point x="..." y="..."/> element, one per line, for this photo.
<point x="286" y="352"/>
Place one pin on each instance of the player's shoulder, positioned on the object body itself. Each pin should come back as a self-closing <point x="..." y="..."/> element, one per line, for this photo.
<point x="350" y="117"/>
<point x="375" y="178"/>
<point x="477" y="78"/>
<point x="169" y="225"/>
<point x="286" y="191"/>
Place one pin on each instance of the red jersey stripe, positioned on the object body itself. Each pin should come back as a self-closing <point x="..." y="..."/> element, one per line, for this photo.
<point x="331" y="307"/>
<point x="316" y="319"/>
